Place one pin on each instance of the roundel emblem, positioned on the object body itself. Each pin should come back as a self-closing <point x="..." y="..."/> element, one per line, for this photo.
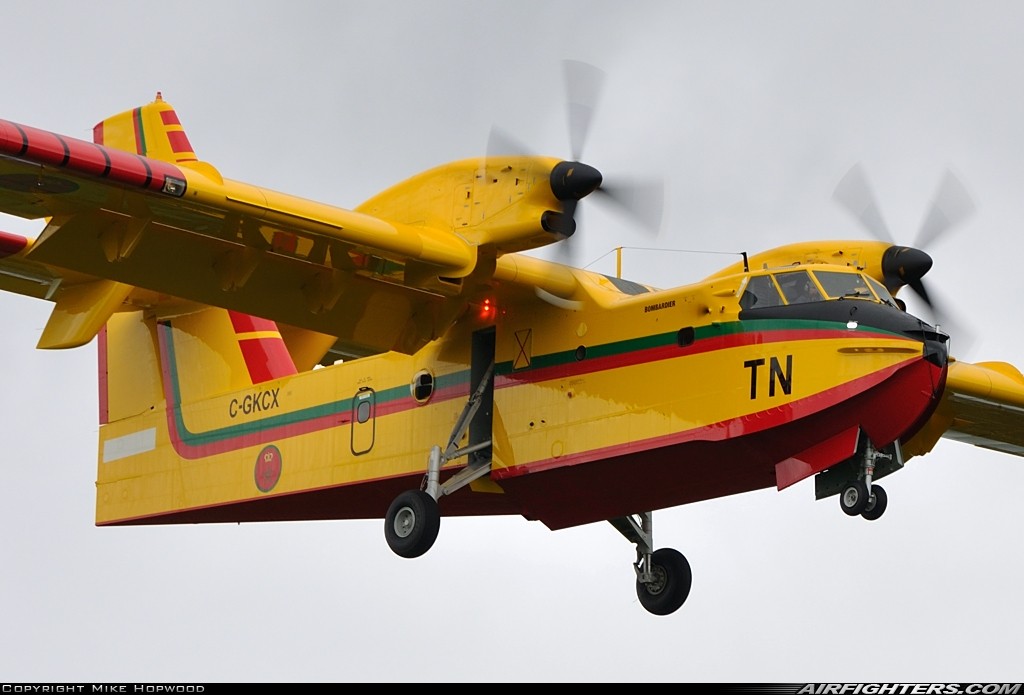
<point x="268" y="468"/>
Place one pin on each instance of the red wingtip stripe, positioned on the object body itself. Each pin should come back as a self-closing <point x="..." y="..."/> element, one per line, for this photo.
<point x="43" y="147"/>
<point x="265" y="358"/>
<point x="11" y="244"/>
<point x="97" y="133"/>
<point x="247" y="323"/>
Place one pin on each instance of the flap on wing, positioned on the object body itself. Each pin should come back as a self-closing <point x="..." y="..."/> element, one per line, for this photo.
<point x="984" y="404"/>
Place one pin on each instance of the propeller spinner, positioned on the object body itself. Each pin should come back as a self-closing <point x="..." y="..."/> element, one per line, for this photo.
<point x="571" y="180"/>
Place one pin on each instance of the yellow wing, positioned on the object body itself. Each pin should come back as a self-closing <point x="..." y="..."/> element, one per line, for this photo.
<point x="983" y="404"/>
<point x="135" y="218"/>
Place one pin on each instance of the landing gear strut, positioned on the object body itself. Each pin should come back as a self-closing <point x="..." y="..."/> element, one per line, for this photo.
<point x="876" y="505"/>
<point x="663" y="576"/>
<point x="860" y="497"/>
<point x="414" y="518"/>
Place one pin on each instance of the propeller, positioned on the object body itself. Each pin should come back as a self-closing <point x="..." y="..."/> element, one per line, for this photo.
<point x="571" y="180"/>
<point x="907" y="265"/>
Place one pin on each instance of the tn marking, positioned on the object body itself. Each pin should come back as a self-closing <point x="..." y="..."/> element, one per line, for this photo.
<point x="778" y="378"/>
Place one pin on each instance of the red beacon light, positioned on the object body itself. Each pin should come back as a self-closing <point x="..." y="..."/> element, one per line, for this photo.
<point x="486" y="309"/>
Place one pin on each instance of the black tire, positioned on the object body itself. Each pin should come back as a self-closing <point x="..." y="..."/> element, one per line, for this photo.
<point x="854" y="498"/>
<point x="876" y="505"/>
<point x="412" y="523"/>
<point x="671" y="585"/>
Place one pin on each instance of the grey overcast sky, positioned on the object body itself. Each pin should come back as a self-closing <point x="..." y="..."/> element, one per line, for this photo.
<point x="751" y="112"/>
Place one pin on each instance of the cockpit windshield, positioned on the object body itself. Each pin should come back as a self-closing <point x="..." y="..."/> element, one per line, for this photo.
<point x="837" y="285"/>
<point x="880" y="290"/>
<point x="760" y="293"/>
<point x="798" y="287"/>
<point x="804" y="286"/>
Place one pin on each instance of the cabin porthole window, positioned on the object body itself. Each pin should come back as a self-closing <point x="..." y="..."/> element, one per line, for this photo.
<point x="363" y="411"/>
<point x="686" y="336"/>
<point x="422" y="386"/>
<point x="581" y="353"/>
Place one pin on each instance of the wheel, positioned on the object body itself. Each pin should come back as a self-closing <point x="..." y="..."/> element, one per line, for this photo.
<point x="876" y="505"/>
<point x="671" y="585"/>
<point x="412" y="523"/>
<point x="854" y="497"/>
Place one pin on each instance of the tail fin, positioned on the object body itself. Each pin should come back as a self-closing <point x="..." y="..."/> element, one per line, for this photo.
<point x="202" y="353"/>
<point x="145" y="364"/>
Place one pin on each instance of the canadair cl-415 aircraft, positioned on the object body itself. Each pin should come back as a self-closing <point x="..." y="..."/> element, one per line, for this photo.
<point x="263" y="357"/>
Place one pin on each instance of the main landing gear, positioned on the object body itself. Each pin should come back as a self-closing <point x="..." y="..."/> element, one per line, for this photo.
<point x="414" y="519"/>
<point x="663" y="576"/>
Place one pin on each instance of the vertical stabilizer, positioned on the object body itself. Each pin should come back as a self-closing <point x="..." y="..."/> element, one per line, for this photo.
<point x="147" y="364"/>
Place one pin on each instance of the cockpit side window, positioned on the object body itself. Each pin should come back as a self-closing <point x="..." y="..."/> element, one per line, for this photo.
<point x="838" y="285"/>
<point x="798" y="288"/>
<point x="882" y="293"/>
<point x="760" y="293"/>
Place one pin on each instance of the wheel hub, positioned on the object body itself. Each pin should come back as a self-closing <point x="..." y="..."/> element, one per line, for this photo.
<point x="658" y="580"/>
<point x="405" y="521"/>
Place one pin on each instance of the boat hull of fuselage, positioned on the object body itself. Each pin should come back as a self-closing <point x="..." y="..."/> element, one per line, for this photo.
<point x="644" y="429"/>
<point x="639" y="478"/>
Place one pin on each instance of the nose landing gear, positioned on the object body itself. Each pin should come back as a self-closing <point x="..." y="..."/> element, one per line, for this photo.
<point x="853" y="480"/>
<point x="855" y="500"/>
